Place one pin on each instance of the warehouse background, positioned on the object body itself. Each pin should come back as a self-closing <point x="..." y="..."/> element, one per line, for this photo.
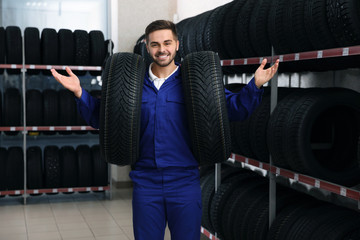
<point x="121" y="20"/>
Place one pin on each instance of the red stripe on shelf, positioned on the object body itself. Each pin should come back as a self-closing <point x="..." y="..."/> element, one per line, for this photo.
<point x="330" y="187"/>
<point x="308" y="55"/>
<point x="353" y="194"/>
<point x="287" y="173"/>
<point x="307" y="180"/>
<point x="354" y="50"/>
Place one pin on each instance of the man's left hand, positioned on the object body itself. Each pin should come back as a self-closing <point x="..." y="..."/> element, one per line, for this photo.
<point x="262" y="75"/>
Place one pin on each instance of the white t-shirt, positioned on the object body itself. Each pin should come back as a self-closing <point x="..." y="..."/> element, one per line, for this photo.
<point x="159" y="81"/>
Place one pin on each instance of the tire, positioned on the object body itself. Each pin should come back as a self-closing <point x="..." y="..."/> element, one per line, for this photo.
<point x="32" y="48"/>
<point x="316" y="25"/>
<point x="3" y="160"/>
<point x="34" y="169"/>
<point x="358" y="152"/>
<point x="220" y="200"/>
<point x="141" y="43"/>
<point x="67" y="109"/>
<point x="206" y="107"/>
<point x="82" y="50"/>
<point x="344" y="21"/>
<point x="12" y="109"/>
<point x="328" y="119"/>
<point x="66" y="48"/>
<point x="258" y="25"/>
<point x="242" y="33"/>
<point x="52" y="170"/>
<point x="276" y="128"/>
<point x="69" y="166"/>
<point x="51" y="109"/>
<point x="100" y="167"/>
<point x="97" y="50"/>
<point x="2" y="48"/>
<point x="49" y="48"/>
<point x="85" y="166"/>
<point x="124" y="73"/>
<point x="13" y="47"/>
<point x="34" y="108"/>
<point x="14" y="169"/>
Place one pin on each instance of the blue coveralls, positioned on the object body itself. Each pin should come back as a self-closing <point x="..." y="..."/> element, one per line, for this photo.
<point x="166" y="176"/>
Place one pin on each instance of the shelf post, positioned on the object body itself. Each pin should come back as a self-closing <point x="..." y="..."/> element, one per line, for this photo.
<point x="272" y="177"/>
<point x="24" y="132"/>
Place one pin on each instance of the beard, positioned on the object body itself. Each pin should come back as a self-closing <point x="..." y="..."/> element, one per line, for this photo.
<point x="162" y="63"/>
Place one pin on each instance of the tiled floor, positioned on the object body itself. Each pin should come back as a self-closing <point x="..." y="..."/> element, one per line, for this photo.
<point x="78" y="216"/>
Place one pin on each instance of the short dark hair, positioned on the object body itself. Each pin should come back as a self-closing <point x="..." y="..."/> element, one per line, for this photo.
<point x="160" y="25"/>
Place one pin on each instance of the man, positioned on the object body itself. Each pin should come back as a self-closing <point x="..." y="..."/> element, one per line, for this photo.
<point x="166" y="176"/>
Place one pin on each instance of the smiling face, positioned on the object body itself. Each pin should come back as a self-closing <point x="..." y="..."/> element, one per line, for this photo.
<point x="162" y="47"/>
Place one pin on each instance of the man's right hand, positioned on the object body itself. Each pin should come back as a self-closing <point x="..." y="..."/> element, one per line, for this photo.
<point x="71" y="82"/>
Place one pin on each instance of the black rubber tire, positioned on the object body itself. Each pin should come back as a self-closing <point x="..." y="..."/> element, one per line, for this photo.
<point x="249" y="203"/>
<point x="13" y="47"/>
<point x="100" y="167"/>
<point x="344" y="21"/>
<point x="220" y="200"/>
<point x="34" y="108"/>
<point x="142" y="51"/>
<point x="3" y="160"/>
<point x="49" y="48"/>
<point x="276" y="128"/>
<point x="85" y="166"/>
<point x="233" y="203"/>
<point x="228" y="30"/>
<point x="66" y="48"/>
<point x="276" y="27"/>
<point x="1" y="111"/>
<point x="2" y="48"/>
<point x="358" y="152"/>
<point x="97" y="50"/>
<point x="52" y="169"/>
<point x="14" y="169"/>
<point x="50" y="109"/>
<point x="330" y="116"/>
<point x="12" y="109"/>
<point x="32" y="48"/>
<point x="35" y="177"/>
<point x="242" y="33"/>
<point x="316" y="25"/>
<point x="221" y="16"/>
<point x="82" y="50"/>
<point x="258" y="34"/>
<point x="123" y="79"/>
<point x="198" y="32"/>
<point x="206" y="107"/>
<point x="67" y="109"/>
<point x="69" y="166"/>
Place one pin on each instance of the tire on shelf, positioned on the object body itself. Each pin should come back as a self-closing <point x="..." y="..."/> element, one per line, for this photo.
<point x="85" y="166"/>
<point x="206" y="107"/>
<point x="322" y="135"/>
<point x="32" y="48"/>
<point x="69" y="166"/>
<point x="97" y="50"/>
<point x="66" y="48"/>
<point x="12" y="109"/>
<point x="258" y="34"/>
<point x="67" y="109"/>
<point x="50" y="109"/>
<point x="100" y="168"/>
<point x="35" y="177"/>
<point x="14" y="163"/>
<point x="220" y="200"/>
<point x="34" y="108"/>
<point x="124" y="73"/>
<point x="277" y="128"/>
<point x="3" y="160"/>
<point x="52" y="169"/>
<point x="2" y="48"/>
<point x="13" y="47"/>
<point x="49" y="48"/>
<point x="82" y="50"/>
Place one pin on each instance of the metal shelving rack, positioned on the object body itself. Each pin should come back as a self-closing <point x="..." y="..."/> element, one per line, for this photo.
<point x="273" y="171"/>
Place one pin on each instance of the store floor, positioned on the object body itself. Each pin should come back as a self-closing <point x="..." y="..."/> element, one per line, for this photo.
<point x="78" y="216"/>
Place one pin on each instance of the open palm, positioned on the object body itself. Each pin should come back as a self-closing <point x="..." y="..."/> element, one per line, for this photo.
<point x="70" y="82"/>
<point x="262" y="75"/>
